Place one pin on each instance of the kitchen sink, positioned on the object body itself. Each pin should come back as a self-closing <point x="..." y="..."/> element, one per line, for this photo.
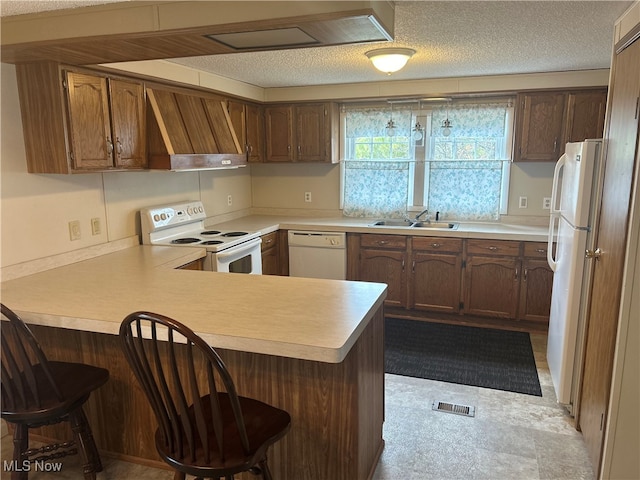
<point x="412" y="224"/>
<point x="392" y="223"/>
<point x="435" y="225"/>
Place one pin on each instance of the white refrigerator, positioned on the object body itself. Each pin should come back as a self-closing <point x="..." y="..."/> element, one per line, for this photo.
<point x="575" y="201"/>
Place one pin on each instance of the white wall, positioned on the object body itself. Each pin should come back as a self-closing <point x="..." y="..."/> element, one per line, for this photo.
<point x="35" y="209"/>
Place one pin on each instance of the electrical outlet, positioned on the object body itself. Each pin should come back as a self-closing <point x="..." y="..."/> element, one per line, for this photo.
<point x="523" y="202"/>
<point x="95" y="226"/>
<point x="229" y="200"/>
<point x="74" y="230"/>
<point x="307" y="197"/>
<point x="546" y="203"/>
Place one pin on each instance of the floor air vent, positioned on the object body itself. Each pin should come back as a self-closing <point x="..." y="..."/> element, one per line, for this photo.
<point x="453" y="408"/>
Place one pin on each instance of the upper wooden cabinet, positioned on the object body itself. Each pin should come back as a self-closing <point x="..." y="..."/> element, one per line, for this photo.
<point x="585" y="115"/>
<point x="75" y="121"/>
<point x="546" y="121"/>
<point x="248" y="123"/>
<point x="301" y="133"/>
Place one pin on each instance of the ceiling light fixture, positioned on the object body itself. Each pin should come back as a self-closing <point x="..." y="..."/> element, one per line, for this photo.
<point x="389" y="60"/>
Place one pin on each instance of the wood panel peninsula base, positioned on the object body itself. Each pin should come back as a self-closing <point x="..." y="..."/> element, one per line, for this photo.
<point x="337" y="409"/>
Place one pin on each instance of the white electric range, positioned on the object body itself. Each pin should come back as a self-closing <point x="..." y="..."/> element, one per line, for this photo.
<point x="182" y="224"/>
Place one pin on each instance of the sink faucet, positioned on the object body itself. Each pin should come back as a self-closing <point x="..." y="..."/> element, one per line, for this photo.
<point x="428" y="219"/>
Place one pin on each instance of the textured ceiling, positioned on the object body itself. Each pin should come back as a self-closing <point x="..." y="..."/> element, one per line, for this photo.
<point x="452" y="39"/>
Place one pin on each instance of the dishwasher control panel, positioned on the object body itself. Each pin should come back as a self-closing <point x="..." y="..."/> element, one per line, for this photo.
<point x="317" y="239"/>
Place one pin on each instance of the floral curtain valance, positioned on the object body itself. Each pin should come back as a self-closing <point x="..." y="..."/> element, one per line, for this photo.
<point x="483" y="120"/>
<point x="372" y="121"/>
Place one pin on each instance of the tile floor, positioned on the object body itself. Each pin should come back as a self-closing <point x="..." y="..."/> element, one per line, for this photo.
<point x="512" y="436"/>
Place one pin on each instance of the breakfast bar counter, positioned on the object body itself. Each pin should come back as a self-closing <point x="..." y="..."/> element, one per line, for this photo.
<point x="312" y="347"/>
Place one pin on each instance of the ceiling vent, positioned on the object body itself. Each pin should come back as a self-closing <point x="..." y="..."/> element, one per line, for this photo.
<point x="265" y="39"/>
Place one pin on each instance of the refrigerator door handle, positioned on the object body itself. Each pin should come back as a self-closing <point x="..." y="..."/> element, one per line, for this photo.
<point x="553" y="219"/>
<point x="555" y="208"/>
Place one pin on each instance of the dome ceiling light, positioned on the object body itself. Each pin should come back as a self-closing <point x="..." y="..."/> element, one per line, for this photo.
<point x="390" y="60"/>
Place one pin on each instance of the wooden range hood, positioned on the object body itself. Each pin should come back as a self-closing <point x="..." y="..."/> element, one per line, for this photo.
<point x="187" y="132"/>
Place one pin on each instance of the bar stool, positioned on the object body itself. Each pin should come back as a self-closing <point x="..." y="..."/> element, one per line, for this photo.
<point x="37" y="392"/>
<point x="201" y="431"/>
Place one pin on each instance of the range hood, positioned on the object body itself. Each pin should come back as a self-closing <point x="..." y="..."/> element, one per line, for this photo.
<point x="187" y="132"/>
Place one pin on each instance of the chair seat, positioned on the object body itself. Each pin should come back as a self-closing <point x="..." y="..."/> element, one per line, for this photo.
<point x="264" y="426"/>
<point x="76" y="381"/>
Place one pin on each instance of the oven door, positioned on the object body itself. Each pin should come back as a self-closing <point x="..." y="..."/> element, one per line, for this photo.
<point x="243" y="258"/>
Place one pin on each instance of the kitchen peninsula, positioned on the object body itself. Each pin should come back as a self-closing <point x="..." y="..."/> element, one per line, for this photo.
<point x="312" y="347"/>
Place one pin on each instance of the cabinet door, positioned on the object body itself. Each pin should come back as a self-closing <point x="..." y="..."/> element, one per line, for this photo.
<point x="535" y="290"/>
<point x="436" y="280"/>
<point x="254" y="120"/>
<point x="539" y="135"/>
<point x="311" y="144"/>
<point x="90" y="127"/>
<point x="128" y="120"/>
<point x="386" y="266"/>
<point x="270" y="257"/>
<point x="491" y="285"/>
<point x="585" y="115"/>
<point x="279" y="134"/>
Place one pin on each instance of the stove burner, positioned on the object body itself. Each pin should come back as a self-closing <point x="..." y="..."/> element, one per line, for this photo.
<point x="210" y="232"/>
<point x="212" y="242"/>
<point x="233" y="234"/>
<point x="181" y="241"/>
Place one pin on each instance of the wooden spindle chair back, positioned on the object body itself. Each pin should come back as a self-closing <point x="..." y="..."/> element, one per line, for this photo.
<point x="21" y="356"/>
<point x="183" y="395"/>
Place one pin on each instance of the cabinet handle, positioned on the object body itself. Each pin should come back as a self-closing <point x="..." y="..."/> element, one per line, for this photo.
<point x="435" y="245"/>
<point x="524" y="276"/>
<point x="516" y="277"/>
<point x="492" y="248"/>
<point x="299" y="149"/>
<point x="403" y="264"/>
<point x="289" y="148"/>
<point x="118" y="146"/>
<point x="382" y="242"/>
<point x="109" y="146"/>
<point x="541" y="250"/>
<point x="413" y="267"/>
<point x="555" y="144"/>
<point x="269" y="241"/>
<point x="248" y="148"/>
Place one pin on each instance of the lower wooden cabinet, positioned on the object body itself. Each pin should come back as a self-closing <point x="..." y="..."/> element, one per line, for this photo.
<point x="435" y="277"/>
<point x="467" y="278"/>
<point x="536" y="284"/>
<point x="383" y="259"/>
<point x="275" y="254"/>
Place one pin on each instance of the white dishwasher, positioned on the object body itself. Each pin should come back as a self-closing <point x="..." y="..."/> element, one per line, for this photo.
<point x="317" y="255"/>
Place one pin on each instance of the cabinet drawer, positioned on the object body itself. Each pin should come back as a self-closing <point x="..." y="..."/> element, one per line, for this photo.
<point x="383" y="241"/>
<point x="535" y="249"/>
<point x="441" y="244"/>
<point x="269" y="240"/>
<point x="494" y="247"/>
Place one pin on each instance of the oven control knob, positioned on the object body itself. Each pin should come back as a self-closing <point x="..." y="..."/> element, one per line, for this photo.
<point x="190" y="211"/>
<point x="156" y="217"/>
<point x="200" y="209"/>
<point x="163" y="216"/>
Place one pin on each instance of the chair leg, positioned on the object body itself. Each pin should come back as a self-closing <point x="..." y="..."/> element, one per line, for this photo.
<point x="266" y="473"/>
<point x="20" y="445"/>
<point x="179" y="476"/>
<point x="86" y="444"/>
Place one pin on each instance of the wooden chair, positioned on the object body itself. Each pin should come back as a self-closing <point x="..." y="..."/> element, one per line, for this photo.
<point x="38" y="392"/>
<point x="202" y="431"/>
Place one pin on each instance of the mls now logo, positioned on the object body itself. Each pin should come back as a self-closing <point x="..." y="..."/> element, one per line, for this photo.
<point x="29" y="466"/>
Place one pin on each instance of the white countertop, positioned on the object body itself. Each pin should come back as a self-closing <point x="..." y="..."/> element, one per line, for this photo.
<point x="302" y="318"/>
<point x="488" y="230"/>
